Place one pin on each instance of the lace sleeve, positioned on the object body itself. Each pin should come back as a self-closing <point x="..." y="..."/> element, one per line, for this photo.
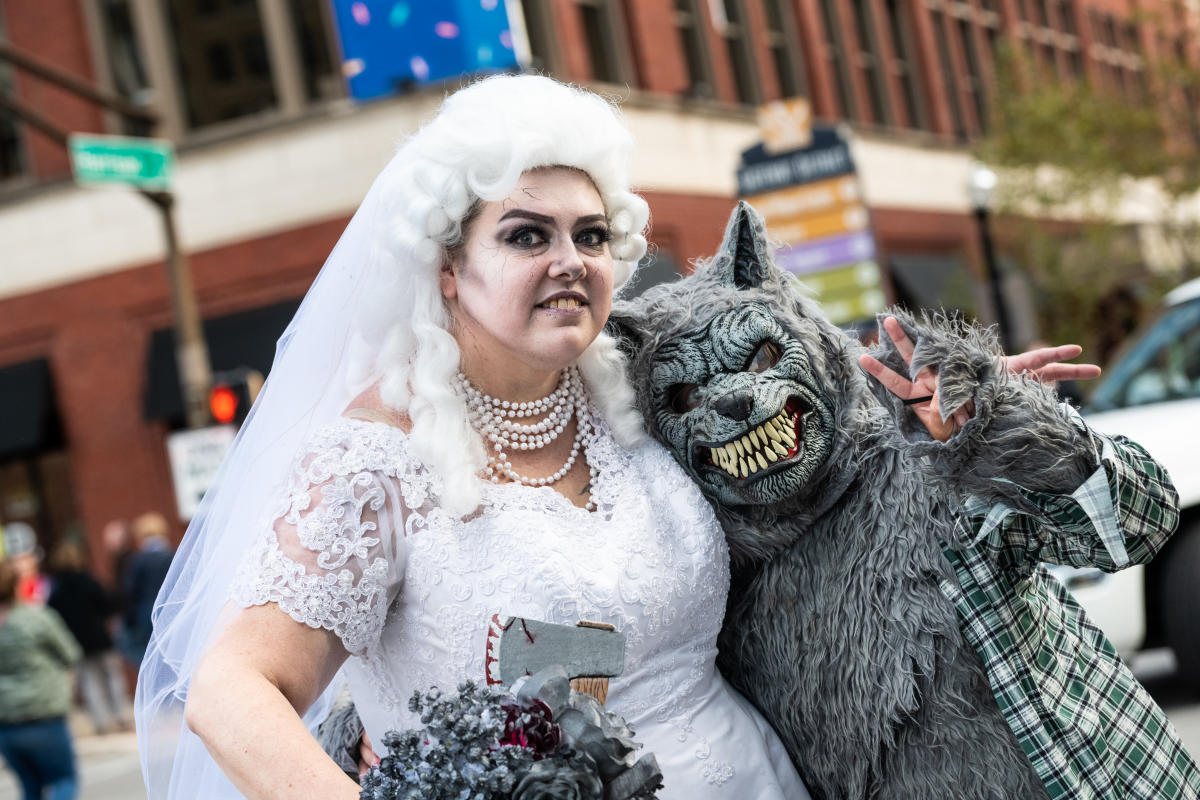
<point x="333" y="555"/>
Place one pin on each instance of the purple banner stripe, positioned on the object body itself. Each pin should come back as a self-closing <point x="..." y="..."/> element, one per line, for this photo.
<point x="832" y="251"/>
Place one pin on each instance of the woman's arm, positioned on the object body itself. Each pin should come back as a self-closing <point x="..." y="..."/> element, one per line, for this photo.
<point x="246" y="699"/>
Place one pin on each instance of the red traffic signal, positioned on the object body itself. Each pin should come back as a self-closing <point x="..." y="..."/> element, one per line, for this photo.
<point x="222" y="404"/>
<point x="232" y="393"/>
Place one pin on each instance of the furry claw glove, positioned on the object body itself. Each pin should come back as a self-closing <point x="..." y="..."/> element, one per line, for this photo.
<point x="964" y="359"/>
<point x="340" y="734"/>
<point x="1018" y="437"/>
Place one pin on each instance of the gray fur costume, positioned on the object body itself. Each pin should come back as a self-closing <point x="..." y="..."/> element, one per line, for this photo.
<point x="836" y="628"/>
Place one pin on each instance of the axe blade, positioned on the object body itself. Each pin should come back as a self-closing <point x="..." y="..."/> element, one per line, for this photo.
<point x="517" y="647"/>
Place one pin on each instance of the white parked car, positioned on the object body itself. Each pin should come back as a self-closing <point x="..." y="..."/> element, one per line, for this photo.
<point x="1151" y="394"/>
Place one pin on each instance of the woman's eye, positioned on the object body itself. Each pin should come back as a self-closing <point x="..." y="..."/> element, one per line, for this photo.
<point x="594" y="238"/>
<point x="766" y="356"/>
<point x="683" y="397"/>
<point x="526" y="237"/>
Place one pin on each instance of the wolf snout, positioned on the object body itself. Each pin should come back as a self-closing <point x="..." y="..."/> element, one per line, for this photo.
<point x="737" y="406"/>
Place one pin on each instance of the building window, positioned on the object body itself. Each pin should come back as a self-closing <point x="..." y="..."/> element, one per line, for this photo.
<point x="1117" y="52"/>
<point x="607" y="40"/>
<point x="12" y="156"/>
<point x="946" y="67"/>
<point x="905" y="64"/>
<point x="973" y="80"/>
<point x="783" y="39"/>
<point x="539" y="29"/>
<point x="1037" y="14"/>
<point x="322" y="78"/>
<point x="221" y="56"/>
<point x="1050" y="39"/>
<point x="741" y="53"/>
<point x="690" y="23"/>
<point x="126" y="69"/>
<point x="870" y="63"/>
<point x="1190" y="95"/>
<point x="12" y="161"/>
<point x="1066" y="17"/>
<point x="835" y="53"/>
<point x="1074" y="64"/>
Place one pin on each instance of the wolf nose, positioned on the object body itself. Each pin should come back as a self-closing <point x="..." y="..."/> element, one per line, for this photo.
<point x="735" y="405"/>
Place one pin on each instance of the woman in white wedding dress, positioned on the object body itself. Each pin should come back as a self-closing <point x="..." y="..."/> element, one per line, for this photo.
<point x="447" y="434"/>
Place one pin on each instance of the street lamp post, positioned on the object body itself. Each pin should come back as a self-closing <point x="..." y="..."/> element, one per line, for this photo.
<point x="980" y="187"/>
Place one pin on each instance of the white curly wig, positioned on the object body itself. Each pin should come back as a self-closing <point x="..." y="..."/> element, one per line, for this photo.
<point x="483" y="138"/>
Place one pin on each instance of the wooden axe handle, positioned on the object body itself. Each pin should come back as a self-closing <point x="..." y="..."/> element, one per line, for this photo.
<point x="596" y="687"/>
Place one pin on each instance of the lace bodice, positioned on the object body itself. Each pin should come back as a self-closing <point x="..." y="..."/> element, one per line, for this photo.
<point x="360" y="546"/>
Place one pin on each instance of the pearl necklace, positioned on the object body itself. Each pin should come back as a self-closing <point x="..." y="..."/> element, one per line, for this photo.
<point x="495" y="419"/>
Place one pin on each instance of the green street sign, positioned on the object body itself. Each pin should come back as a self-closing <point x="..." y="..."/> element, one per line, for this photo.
<point x="104" y="160"/>
<point x="848" y="294"/>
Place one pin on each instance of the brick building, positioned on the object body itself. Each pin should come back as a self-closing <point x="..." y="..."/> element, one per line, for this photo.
<point x="273" y="159"/>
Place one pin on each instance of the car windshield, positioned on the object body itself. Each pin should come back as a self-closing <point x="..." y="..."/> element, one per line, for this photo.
<point x="1162" y="364"/>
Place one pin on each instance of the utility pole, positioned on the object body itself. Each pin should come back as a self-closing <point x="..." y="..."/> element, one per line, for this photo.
<point x="191" y="351"/>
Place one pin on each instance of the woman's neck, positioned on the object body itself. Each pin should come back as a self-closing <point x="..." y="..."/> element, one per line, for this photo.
<point x="512" y="382"/>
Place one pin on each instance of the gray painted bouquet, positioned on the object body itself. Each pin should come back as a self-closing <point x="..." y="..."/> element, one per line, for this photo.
<point x="545" y="742"/>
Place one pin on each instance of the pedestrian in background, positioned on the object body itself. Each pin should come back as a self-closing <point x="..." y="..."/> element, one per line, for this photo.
<point x="118" y="549"/>
<point x="144" y="573"/>
<point x="23" y="552"/>
<point x="86" y="608"/>
<point x="36" y="654"/>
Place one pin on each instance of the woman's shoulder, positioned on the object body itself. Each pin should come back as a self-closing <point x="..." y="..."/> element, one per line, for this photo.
<point x="368" y="406"/>
<point x="348" y="445"/>
<point x="32" y="616"/>
<point x="368" y="437"/>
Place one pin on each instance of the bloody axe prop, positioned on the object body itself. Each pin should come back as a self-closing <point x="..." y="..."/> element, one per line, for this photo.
<point x="590" y="652"/>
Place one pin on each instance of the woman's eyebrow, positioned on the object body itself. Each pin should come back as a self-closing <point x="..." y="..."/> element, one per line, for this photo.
<point x="532" y="215"/>
<point x="521" y="213"/>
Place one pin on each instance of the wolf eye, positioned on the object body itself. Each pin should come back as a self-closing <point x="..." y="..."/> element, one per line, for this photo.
<point x="765" y="356"/>
<point x="683" y="397"/>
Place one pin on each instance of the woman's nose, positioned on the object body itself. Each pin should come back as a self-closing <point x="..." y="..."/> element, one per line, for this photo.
<point x="567" y="262"/>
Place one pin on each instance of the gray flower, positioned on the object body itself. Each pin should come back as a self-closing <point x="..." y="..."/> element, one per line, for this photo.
<point x="561" y="778"/>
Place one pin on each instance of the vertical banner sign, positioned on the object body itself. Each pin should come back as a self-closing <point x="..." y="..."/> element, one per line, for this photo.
<point x="391" y="45"/>
<point x="812" y="202"/>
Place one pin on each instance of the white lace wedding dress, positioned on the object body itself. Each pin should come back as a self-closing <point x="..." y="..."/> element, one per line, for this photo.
<point x="361" y="547"/>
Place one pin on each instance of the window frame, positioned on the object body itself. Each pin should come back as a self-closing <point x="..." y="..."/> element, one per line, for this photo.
<point x="614" y="31"/>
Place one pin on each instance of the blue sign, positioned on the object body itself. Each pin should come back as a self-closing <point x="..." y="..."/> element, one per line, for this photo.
<point x="388" y="46"/>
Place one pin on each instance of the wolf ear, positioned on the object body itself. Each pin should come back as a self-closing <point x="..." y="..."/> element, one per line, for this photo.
<point x="623" y="326"/>
<point x="743" y="260"/>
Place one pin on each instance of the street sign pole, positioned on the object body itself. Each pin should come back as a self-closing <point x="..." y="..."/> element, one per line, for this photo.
<point x="191" y="351"/>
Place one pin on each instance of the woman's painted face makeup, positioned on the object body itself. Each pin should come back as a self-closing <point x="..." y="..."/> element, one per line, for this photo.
<point x="531" y="287"/>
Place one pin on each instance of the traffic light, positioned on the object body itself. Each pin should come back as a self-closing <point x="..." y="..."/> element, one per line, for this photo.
<point x="232" y="393"/>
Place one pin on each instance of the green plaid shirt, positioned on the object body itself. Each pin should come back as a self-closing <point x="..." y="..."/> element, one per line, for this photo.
<point x="1088" y="727"/>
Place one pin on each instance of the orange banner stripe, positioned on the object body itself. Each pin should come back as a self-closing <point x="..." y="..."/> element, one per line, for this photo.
<point x="797" y="202"/>
<point x="844" y="220"/>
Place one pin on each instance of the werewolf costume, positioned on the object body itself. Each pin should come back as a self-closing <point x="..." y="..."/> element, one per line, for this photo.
<point x="889" y="612"/>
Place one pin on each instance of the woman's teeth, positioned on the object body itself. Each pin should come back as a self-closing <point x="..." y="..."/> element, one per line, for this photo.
<point x="562" y="303"/>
